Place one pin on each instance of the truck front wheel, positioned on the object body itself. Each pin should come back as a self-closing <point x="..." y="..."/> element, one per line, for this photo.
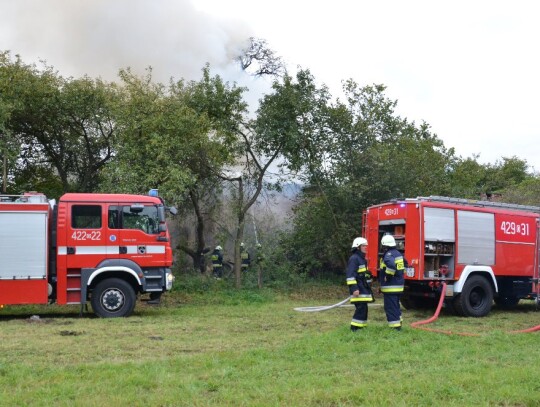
<point x="113" y="298"/>
<point x="476" y="298"/>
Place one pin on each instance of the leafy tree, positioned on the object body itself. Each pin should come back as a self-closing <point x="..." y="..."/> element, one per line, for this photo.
<point x="4" y="141"/>
<point x="473" y="180"/>
<point x="352" y="155"/>
<point x="57" y="123"/>
<point x="526" y="192"/>
<point x="224" y="107"/>
<point x="177" y="138"/>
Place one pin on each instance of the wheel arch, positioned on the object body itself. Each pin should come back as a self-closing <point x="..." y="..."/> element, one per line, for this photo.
<point x="123" y="269"/>
<point x="468" y="271"/>
<point x="125" y="273"/>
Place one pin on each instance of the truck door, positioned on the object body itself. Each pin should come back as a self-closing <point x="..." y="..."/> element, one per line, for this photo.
<point x="138" y="233"/>
<point x="86" y="244"/>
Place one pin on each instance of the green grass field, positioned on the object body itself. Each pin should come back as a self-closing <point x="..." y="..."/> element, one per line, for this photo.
<point x="250" y="348"/>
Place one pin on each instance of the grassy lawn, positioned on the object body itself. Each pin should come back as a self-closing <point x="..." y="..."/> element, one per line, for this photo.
<point x="251" y="348"/>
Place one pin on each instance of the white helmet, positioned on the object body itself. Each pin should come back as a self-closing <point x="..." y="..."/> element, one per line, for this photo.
<point x="359" y="241"/>
<point x="219" y="248"/>
<point x="388" y="240"/>
<point x="242" y="244"/>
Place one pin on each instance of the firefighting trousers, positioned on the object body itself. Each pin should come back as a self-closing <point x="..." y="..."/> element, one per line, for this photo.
<point x="392" y="310"/>
<point x="218" y="272"/>
<point x="359" y="319"/>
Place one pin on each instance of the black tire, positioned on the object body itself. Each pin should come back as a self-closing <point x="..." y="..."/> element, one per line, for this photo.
<point x="113" y="298"/>
<point x="509" y="302"/>
<point x="475" y="299"/>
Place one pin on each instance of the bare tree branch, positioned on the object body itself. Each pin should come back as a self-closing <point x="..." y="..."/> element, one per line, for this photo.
<point x="261" y="59"/>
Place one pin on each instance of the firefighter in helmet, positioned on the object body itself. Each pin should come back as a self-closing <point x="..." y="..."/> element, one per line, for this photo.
<point x="358" y="280"/>
<point x="391" y="269"/>
<point x="217" y="262"/>
<point x="244" y="256"/>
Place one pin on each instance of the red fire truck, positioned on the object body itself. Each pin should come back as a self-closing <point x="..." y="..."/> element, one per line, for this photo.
<point x="102" y="248"/>
<point x="483" y="250"/>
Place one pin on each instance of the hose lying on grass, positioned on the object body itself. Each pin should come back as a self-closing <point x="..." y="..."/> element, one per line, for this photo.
<point x="322" y="307"/>
<point x="417" y="323"/>
<point x="327" y="307"/>
<point x="436" y="315"/>
<point x="434" y="318"/>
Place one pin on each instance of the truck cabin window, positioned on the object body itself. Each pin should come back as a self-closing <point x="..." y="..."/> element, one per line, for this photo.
<point x="86" y="217"/>
<point x="124" y="217"/>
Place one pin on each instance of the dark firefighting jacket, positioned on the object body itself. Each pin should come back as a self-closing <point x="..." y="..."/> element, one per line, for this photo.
<point x="358" y="276"/>
<point x="217" y="259"/>
<point x="391" y="272"/>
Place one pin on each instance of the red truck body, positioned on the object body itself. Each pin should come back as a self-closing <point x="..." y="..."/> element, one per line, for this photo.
<point x="106" y="248"/>
<point x="483" y="250"/>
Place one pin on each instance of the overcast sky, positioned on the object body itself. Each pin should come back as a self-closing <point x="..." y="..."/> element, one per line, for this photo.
<point x="471" y="69"/>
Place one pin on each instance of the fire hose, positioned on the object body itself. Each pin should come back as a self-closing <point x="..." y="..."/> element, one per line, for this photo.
<point x="416" y="324"/>
<point x="339" y="304"/>
<point x="322" y="307"/>
<point x="436" y="315"/>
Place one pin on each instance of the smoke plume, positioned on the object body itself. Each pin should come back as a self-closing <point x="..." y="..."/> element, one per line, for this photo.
<point x="98" y="37"/>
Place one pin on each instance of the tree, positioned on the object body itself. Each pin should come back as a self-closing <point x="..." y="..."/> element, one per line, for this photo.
<point x="4" y="142"/>
<point x="525" y="193"/>
<point x="293" y="121"/>
<point x="178" y="138"/>
<point x="260" y="59"/>
<point x="352" y="155"/>
<point x="471" y="179"/>
<point x="61" y="124"/>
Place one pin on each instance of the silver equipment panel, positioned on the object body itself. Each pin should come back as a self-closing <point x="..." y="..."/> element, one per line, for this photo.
<point x="439" y="225"/>
<point x="23" y="251"/>
<point x="476" y="238"/>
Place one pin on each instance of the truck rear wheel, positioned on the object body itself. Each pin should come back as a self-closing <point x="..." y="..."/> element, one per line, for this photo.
<point x="476" y="298"/>
<point x="113" y="298"/>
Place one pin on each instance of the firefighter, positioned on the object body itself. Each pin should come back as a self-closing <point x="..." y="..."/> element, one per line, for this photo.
<point x="358" y="279"/>
<point x="244" y="255"/>
<point x="217" y="262"/>
<point x="391" y="268"/>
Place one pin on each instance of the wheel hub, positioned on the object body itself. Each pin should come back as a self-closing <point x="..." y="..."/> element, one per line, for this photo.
<point x="476" y="298"/>
<point x="112" y="299"/>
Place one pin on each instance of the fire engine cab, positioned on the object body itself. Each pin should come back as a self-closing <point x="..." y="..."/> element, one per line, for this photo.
<point x="485" y="251"/>
<point x="102" y="248"/>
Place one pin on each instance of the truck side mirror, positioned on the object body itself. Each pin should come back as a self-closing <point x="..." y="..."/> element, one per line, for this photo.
<point x="172" y="210"/>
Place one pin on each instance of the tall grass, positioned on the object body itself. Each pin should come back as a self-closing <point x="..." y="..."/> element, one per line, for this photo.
<point x="220" y="346"/>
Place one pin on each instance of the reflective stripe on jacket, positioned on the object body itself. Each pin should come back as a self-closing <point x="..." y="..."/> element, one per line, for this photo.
<point x="217" y="259"/>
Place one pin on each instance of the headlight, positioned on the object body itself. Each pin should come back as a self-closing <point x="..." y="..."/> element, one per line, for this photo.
<point x="169" y="281"/>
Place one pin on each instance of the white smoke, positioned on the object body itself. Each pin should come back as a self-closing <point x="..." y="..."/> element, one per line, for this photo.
<point x="99" y="37"/>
